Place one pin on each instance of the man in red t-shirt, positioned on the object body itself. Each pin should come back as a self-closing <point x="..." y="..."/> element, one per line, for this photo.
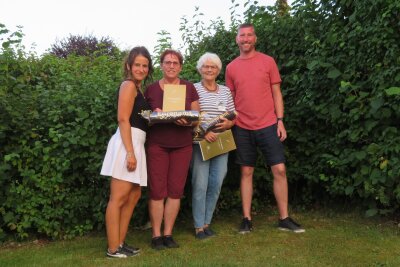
<point x="254" y="80"/>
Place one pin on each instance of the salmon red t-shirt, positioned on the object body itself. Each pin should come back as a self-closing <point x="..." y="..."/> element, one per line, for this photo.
<point x="251" y="80"/>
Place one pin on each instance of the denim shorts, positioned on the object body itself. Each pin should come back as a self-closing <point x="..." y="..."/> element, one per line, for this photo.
<point x="266" y="139"/>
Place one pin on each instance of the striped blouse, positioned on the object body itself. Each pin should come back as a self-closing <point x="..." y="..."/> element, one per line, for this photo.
<point x="215" y="103"/>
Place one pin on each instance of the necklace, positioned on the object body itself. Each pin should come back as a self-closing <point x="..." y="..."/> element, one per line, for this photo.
<point x="211" y="89"/>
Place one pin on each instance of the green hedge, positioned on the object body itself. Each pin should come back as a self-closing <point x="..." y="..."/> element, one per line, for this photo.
<point x="341" y="82"/>
<point x="56" y="119"/>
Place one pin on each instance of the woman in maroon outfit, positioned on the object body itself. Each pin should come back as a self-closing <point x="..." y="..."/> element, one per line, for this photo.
<point x="169" y="151"/>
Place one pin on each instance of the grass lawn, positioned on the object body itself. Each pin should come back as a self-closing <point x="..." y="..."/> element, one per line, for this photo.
<point x="331" y="239"/>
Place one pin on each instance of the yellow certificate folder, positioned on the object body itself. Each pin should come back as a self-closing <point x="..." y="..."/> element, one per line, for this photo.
<point x="224" y="144"/>
<point x="174" y="97"/>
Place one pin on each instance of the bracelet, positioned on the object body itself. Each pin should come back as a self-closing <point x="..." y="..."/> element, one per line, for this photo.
<point x="130" y="154"/>
<point x="279" y="119"/>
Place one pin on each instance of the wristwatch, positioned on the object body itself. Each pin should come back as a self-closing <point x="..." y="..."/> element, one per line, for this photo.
<point x="279" y="119"/>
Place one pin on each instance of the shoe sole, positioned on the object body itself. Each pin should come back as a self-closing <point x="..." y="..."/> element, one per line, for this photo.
<point x="294" y="231"/>
<point x="135" y="251"/>
<point x="117" y="257"/>
<point x="244" y="232"/>
<point x="113" y="257"/>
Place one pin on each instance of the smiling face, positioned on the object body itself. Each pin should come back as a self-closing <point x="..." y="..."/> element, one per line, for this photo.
<point x="246" y="40"/>
<point x="140" y="68"/>
<point x="171" y="67"/>
<point x="209" y="71"/>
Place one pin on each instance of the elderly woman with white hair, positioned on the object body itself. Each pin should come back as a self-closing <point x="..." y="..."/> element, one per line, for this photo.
<point x="207" y="176"/>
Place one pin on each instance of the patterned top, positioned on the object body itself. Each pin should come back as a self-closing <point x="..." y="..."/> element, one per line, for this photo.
<point x="215" y="103"/>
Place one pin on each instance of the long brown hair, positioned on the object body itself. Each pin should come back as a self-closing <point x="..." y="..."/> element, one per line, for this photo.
<point x="130" y="59"/>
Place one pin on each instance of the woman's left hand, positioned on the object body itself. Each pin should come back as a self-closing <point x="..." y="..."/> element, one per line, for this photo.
<point x="210" y="137"/>
<point x="131" y="162"/>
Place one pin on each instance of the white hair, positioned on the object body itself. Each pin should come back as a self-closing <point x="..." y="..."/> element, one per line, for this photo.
<point x="214" y="58"/>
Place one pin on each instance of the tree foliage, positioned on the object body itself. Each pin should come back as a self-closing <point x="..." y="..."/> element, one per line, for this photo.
<point x="56" y="118"/>
<point x="84" y="46"/>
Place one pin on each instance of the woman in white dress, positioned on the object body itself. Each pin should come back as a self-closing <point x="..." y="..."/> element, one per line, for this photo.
<point x="125" y="159"/>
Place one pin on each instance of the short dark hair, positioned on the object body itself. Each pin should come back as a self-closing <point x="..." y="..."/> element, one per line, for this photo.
<point x="130" y="59"/>
<point x="246" y="25"/>
<point x="172" y="52"/>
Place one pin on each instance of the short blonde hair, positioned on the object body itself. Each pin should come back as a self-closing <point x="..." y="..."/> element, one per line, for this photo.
<point x="214" y="58"/>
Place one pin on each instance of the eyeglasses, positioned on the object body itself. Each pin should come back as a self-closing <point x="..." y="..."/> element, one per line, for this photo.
<point x="173" y="63"/>
<point x="212" y="67"/>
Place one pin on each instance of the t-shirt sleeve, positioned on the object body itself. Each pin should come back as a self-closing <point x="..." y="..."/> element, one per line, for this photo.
<point x="194" y="94"/>
<point x="274" y="73"/>
<point x="151" y="97"/>
<point x="229" y="81"/>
